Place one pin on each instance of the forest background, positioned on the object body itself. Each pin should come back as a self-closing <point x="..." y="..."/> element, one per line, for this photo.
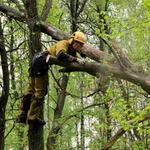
<point x="91" y="108"/>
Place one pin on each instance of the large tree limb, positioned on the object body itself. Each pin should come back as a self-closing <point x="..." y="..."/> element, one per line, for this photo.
<point x="95" y="69"/>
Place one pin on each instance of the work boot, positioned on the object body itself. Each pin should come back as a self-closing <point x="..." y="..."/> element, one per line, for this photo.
<point x="34" y="112"/>
<point x="23" y="110"/>
<point x="37" y="121"/>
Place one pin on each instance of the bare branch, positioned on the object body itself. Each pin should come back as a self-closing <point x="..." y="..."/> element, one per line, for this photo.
<point x="121" y="131"/>
<point x="46" y="10"/>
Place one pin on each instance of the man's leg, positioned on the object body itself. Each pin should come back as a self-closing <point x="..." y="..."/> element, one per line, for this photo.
<point x="34" y="112"/>
<point x="40" y="87"/>
<point x="24" y="107"/>
<point x="26" y="101"/>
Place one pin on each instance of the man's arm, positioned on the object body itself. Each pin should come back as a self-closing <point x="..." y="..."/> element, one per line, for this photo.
<point x="65" y="57"/>
<point x="68" y="58"/>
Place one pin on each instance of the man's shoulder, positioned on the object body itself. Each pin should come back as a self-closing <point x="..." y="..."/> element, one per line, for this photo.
<point x="63" y="42"/>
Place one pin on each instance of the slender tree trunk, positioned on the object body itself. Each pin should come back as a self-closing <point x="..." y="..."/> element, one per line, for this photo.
<point x="82" y="118"/>
<point x="51" y="141"/>
<point x="108" y="118"/>
<point x="5" y="87"/>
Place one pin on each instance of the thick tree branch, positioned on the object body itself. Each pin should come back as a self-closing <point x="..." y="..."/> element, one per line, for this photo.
<point x="13" y="13"/>
<point x="95" y="69"/>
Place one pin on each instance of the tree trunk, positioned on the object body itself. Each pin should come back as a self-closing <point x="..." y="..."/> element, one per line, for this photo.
<point x="5" y="87"/>
<point x="82" y="130"/>
<point x="36" y="141"/>
<point x="34" y="27"/>
<point x="51" y="141"/>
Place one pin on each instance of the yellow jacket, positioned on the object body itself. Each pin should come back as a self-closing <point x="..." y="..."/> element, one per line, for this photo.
<point x="65" y="47"/>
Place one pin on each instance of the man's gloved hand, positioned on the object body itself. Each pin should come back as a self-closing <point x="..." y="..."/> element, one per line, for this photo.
<point x="80" y="61"/>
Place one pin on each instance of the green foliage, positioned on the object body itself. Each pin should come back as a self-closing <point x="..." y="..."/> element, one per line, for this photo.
<point x="124" y="20"/>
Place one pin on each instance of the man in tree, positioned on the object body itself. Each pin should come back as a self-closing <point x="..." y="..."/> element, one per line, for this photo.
<point x="33" y="97"/>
